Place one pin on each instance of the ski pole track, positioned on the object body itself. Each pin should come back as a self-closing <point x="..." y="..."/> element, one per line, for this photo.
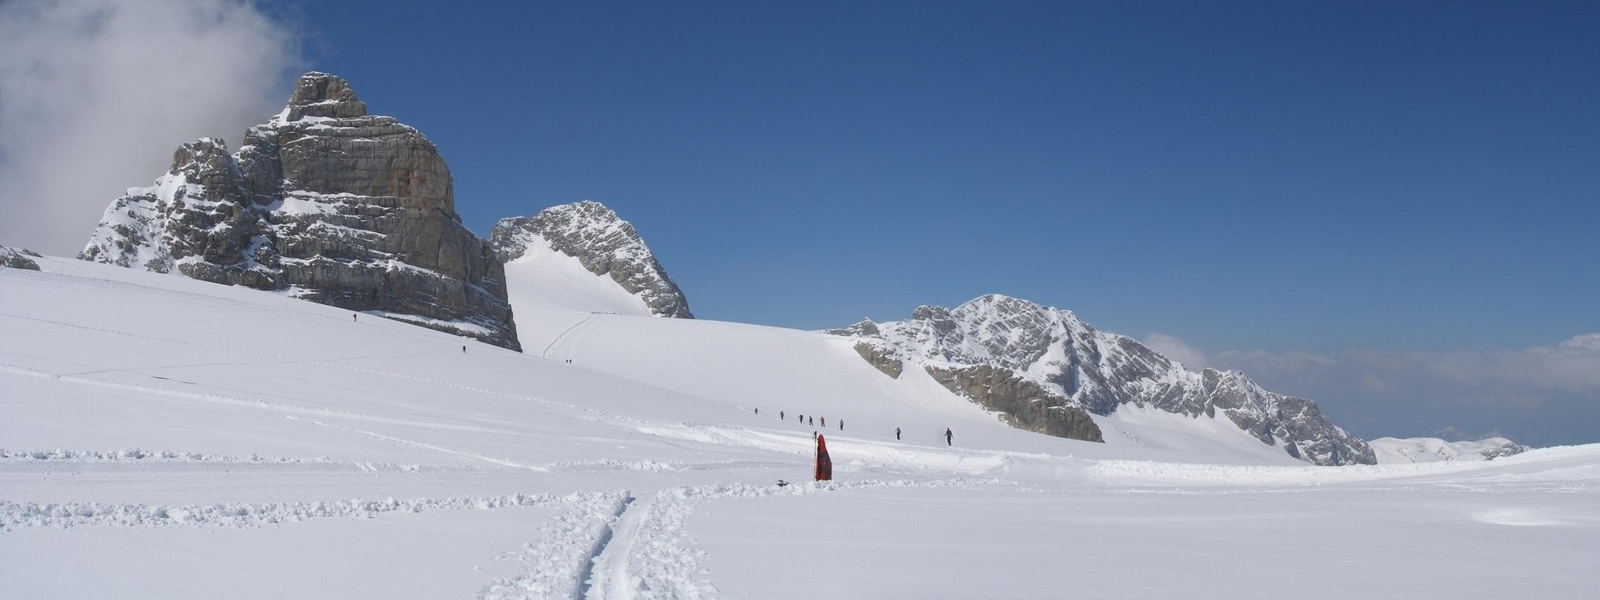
<point x="405" y="442"/>
<point x="650" y="556"/>
<point x="558" y="564"/>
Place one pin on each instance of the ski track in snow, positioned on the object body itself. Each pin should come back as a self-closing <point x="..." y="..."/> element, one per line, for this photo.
<point x="557" y="340"/>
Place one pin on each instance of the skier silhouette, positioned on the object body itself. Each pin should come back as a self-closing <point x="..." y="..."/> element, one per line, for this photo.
<point x="841" y="424"/>
<point x="780" y="416"/>
<point x="897" y="433"/>
<point x="812" y="420"/>
<point x="947" y="436"/>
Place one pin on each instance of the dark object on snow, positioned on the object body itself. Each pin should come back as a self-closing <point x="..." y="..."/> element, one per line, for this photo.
<point x="897" y="433"/>
<point x="463" y="349"/>
<point x="824" y="464"/>
<point x="824" y="422"/>
<point x="841" y="424"/>
<point x="948" y="436"/>
<point x="812" y="421"/>
<point x="782" y="483"/>
<point x="758" y="411"/>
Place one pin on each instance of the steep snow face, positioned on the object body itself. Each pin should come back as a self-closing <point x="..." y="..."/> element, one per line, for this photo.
<point x="603" y="244"/>
<point x="1428" y="449"/>
<point x="1040" y="364"/>
<point x="325" y="202"/>
<point x="544" y="279"/>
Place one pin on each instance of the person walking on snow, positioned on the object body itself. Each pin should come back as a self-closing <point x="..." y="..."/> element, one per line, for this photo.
<point x="947" y="436"/>
<point x="758" y="411"/>
<point x="812" y="420"/>
<point x="897" y="433"/>
<point x="824" y="422"/>
<point x="841" y="424"/>
<point x="780" y="416"/>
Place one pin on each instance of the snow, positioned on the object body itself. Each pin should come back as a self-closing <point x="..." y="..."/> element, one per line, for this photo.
<point x="543" y="279"/>
<point x="1427" y="449"/>
<point x="162" y="437"/>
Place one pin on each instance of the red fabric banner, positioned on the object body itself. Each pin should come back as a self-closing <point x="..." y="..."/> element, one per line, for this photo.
<point x="824" y="464"/>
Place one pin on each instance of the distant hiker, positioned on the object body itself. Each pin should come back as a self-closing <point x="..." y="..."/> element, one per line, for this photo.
<point x="780" y="416"/>
<point x="758" y="411"/>
<point x="811" y="421"/>
<point x="824" y="422"/>
<point x="824" y="464"/>
<point x="463" y="349"/>
<point x="897" y="433"/>
<point x="947" y="436"/>
<point x="352" y="317"/>
<point x="841" y="424"/>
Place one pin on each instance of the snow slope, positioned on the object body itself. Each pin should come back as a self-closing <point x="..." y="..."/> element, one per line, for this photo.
<point x="544" y="279"/>
<point x="162" y="437"/>
<point x="1428" y="449"/>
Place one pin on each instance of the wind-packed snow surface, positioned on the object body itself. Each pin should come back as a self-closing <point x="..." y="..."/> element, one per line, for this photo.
<point x="163" y="437"/>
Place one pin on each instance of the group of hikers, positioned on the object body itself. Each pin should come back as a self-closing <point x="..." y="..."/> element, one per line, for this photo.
<point x="949" y="438"/>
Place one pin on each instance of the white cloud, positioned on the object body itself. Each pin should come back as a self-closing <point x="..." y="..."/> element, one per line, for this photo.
<point x="1174" y="348"/>
<point x="96" y="94"/>
<point x="1550" y="391"/>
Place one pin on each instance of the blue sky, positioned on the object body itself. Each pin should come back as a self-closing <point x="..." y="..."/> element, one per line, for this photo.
<point x="1337" y="180"/>
<point x="1386" y="207"/>
<point x="1250" y="176"/>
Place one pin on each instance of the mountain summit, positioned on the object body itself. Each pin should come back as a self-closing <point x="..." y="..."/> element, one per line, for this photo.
<point x="327" y="203"/>
<point x="540" y="248"/>
<point x="1044" y="370"/>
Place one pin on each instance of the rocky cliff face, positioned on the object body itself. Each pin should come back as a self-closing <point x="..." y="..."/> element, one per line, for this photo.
<point x="18" y="258"/>
<point x="1045" y="370"/>
<point x="605" y="244"/>
<point x="327" y="203"/>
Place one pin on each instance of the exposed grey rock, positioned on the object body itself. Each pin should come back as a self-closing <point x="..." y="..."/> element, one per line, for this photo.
<point x="880" y="360"/>
<point x="1022" y="403"/>
<point x="987" y="348"/>
<point x="327" y="203"/>
<point x="18" y="258"/>
<point x="604" y="243"/>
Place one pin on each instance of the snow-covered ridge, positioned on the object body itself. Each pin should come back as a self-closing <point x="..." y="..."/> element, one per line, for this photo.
<point x="1429" y="449"/>
<point x="604" y="245"/>
<point x="1043" y="369"/>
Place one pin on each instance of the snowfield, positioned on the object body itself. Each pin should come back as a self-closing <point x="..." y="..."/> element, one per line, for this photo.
<point x="162" y="437"/>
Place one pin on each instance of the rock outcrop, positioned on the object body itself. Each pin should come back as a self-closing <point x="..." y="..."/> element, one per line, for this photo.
<point x="605" y="244"/>
<point x="18" y="258"/>
<point x="1045" y="371"/>
<point x="326" y="203"/>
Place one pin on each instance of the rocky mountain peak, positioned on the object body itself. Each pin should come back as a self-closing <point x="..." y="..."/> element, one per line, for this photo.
<point x="323" y="202"/>
<point x="1043" y="370"/>
<point x="603" y="242"/>
<point x="19" y="258"/>
<point x="323" y="95"/>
